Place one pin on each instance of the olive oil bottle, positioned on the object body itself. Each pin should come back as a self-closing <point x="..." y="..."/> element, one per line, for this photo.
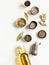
<point x="25" y="59"/>
<point x="22" y="58"/>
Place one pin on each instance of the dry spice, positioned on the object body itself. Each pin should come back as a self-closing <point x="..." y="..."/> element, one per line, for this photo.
<point x="20" y="36"/>
<point x="26" y="15"/>
<point x="42" y="18"/>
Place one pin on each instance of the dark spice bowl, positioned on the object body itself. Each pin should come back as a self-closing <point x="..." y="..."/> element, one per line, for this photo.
<point x="27" y="3"/>
<point x="27" y="38"/>
<point x="33" y="25"/>
<point x="41" y="34"/>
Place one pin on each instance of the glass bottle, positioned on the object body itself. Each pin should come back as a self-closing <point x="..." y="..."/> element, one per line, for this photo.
<point x="22" y="58"/>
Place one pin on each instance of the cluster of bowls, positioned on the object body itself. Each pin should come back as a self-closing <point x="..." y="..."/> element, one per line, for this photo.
<point x="21" y="22"/>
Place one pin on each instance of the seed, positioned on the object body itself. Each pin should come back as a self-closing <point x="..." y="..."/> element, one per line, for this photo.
<point x="34" y="10"/>
<point x="27" y="3"/>
<point x="33" y="25"/>
<point x="28" y="38"/>
<point x="41" y="34"/>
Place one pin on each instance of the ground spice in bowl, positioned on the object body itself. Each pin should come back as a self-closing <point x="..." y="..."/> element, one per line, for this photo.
<point x="21" y="22"/>
<point x="28" y="38"/>
<point x="41" y="34"/>
<point x="33" y="25"/>
<point x="34" y="10"/>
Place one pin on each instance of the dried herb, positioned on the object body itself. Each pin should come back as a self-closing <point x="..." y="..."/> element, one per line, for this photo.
<point x="26" y="15"/>
<point x="33" y="49"/>
<point x="42" y="18"/>
<point x="43" y="24"/>
<point x="20" y="36"/>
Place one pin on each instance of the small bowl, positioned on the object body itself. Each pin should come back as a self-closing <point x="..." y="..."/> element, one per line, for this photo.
<point x="34" y="10"/>
<point x="41" y="34"/>
<point x="21" y="22"/>
<point x="28" y="38"/>
<point x="33" y="25"/>
<point x="27" y="3"/>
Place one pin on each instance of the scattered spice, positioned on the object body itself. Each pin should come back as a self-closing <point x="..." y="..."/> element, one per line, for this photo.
<point x="26" y="15"/>
<point x="33" y="25"/>
<point x="28" y="38"/>
<point x="42" y="18"/>
<point x="41" y="34"/>
<point x="20" y="36"/>
<point x="34" y="10"/>
<point x="21" y="22"/>
<point x="27" y="3"/>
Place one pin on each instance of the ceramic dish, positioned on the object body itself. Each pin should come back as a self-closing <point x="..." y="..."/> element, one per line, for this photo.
<point x="41" y="34"/>
<point x="21" y="22"/>
<point x="33" y="25"/>
<point x="34" y="10"/>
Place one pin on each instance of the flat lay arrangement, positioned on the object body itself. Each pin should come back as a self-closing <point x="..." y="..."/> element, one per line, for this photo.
<point x="22" y="57"/>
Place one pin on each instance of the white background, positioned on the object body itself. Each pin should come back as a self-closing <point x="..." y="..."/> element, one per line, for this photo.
<point x="10" y="10"/>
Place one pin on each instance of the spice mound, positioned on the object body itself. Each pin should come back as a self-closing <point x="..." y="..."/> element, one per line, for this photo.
<point x="33" y="25"/>
<point x="33" y="49"/>
<point x="34" y="10"/>
<point x="41" y="34"/>
<point x="28" y="38"/>
<point x="21" y="22"/>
